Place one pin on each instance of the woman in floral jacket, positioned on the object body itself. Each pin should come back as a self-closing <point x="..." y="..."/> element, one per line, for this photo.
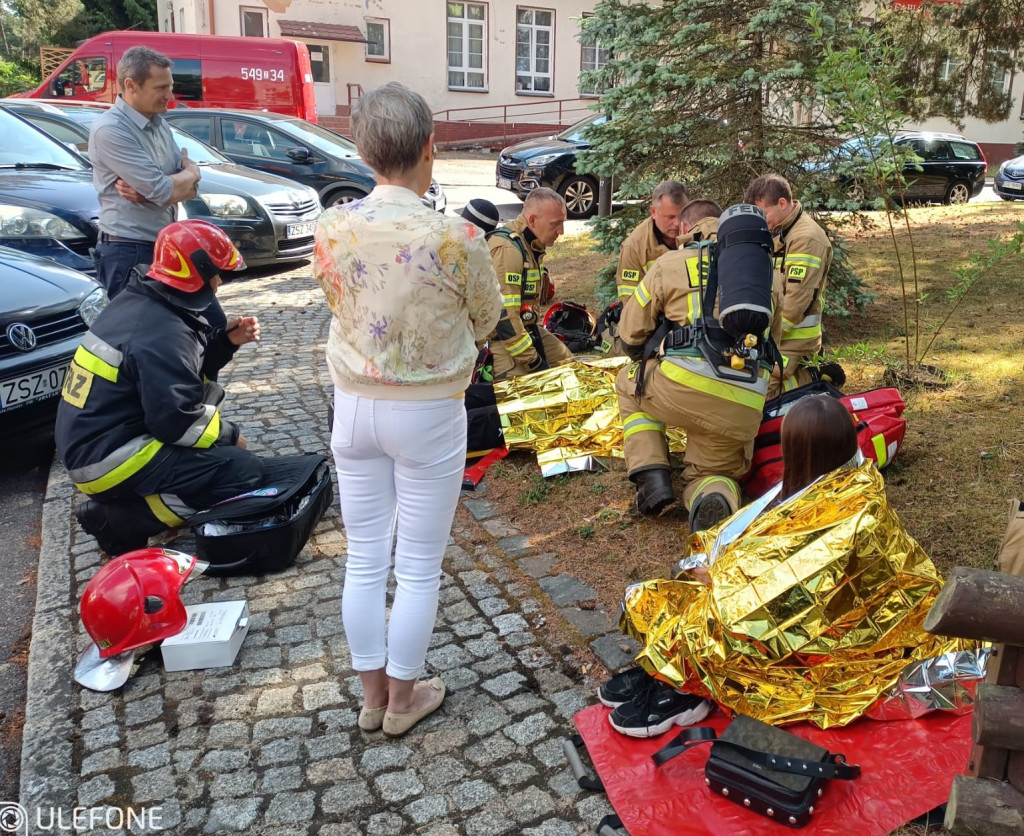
<point x="411" y="292"/>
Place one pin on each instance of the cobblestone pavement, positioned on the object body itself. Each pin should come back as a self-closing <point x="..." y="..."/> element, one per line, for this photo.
<point x="270" y="745"/>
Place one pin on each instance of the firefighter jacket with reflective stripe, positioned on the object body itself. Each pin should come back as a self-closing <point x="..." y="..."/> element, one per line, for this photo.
<point x="803" y="256"/>
<point x="672" y="289"/>
<point x="638" y="252"/>
<point x="137" y="384"/>
<point x="517" y="259"/>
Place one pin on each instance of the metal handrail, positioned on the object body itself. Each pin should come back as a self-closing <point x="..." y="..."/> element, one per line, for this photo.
<point x="358" y="88"/>
<point x="558" y="108"/>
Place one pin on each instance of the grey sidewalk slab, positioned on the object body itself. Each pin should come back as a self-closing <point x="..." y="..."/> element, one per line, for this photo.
<point x="270" y="745"/>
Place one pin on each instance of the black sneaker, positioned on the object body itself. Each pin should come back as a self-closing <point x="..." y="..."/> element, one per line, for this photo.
<point x="656" y="709"/>
<point x="623" y="686"/>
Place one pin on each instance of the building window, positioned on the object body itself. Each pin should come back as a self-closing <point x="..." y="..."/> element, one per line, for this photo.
<point x="320" y="61"/>
<point x="593" y="56"/>
<point x="535" y="29"/>
<point x="181" y="20"/>
<point x="378" y="39"/>
<point x="467" y="40"/>
<point x="950" y="67"/>
<point x="999" y="78"/>
<point x="254" y="22"/>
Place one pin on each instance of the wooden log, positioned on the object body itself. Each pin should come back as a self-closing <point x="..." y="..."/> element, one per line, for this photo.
<point x="988" y="762"/>
<point x="976" y="604"/>
<point x="983" y="807"/>
<point x="1015" y="770"/>
<point x="1003" y="665"/>
<point x="999" y="717"/>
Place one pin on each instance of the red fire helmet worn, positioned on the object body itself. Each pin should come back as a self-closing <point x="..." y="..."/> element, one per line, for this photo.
<point x="131" y="602"/>
<point x="190" y="253"/>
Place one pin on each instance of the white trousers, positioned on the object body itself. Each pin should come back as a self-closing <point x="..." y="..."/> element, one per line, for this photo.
<point x="397" y="461"/>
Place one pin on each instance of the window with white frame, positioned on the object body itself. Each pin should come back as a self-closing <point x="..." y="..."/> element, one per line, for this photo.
<point x="467" y="46"/>
<point x="378" y="39"/>
<point x="949" y="68"/>
<point x="593" y="56"/>
<point x="535" y="39"/>
<point x="999" y="78"/>
<point x="253" y="22"/>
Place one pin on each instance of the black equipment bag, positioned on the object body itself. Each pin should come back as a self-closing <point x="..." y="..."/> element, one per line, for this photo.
<point x="483" y="423"/>
<point x="763" y="768"/>
<point x="264" y="530"/>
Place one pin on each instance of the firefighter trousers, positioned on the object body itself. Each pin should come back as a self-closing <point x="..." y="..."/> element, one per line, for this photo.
<point x="183" y="483"/>
<point x="505" y="365"/>
<point x="800" y="376"/>
<point x="714" y="460"/>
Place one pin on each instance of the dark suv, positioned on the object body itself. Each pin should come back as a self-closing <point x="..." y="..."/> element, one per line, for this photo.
<point x="951" y="169"/>
<point x="550" y="162"/>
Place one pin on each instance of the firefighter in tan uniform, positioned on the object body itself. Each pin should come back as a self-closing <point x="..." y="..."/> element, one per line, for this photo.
<point x="679" y="387"/>
<point x="519" y="344"/>
<point x="803" y="255"/>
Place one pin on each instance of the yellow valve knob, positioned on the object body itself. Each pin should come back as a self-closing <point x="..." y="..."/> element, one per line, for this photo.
<point x="736" y="362"/>
<point x="750" y="340"/>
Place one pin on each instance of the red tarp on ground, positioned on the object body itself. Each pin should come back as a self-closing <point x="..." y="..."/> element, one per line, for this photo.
<point x="907" y="770"/>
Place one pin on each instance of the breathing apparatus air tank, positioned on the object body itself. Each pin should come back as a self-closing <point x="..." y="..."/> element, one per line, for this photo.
<point x="741" y="281"/>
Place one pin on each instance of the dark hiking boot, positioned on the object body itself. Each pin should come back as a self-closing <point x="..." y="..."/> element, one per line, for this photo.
<point x="93" y="518"/>
<point x="709" y="511"/>
<point x="654" y="491"/>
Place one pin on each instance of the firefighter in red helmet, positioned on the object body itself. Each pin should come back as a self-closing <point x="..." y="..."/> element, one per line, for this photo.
<point x="139" y="426"/>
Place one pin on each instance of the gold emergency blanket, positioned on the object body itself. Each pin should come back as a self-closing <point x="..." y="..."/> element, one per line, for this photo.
<point x="812" y="614"/>
<point x="567" y="412"/>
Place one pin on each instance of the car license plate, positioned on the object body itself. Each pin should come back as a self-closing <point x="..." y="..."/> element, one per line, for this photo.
<point x="31" y="387"/>
<point x="504" y="183"/>
<point x="300" y="230"/>
<point x="1014" y="186"/>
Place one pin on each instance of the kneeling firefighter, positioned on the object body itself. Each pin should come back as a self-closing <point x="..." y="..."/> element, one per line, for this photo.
<point x="703" y="374"/>
<point x="139" y="426"/>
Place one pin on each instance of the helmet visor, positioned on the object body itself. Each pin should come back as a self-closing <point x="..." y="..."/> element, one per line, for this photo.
<point x="98" y="674"/>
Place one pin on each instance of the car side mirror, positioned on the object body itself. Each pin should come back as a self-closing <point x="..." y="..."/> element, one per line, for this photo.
<point x="299" y="155"/>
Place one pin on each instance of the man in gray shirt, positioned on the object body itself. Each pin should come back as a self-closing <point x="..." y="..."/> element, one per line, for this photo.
<point x="137" y="169"/>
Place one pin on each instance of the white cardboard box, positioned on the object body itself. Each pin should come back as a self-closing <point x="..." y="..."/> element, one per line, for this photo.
<point x="211" y="638"/>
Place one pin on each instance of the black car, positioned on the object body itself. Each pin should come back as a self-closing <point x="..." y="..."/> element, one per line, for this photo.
<point x="289" y="147"/>
<point x="44" y="310"/>
<point x="48" y="205"/>
<point x="550" y="162"/>
<point x="270" y="219"/>
<point x="1009" y="180"/>
<point x="948" y="168"/>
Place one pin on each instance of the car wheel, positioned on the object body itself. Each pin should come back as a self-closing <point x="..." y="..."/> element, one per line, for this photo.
<point x="855" y="192"/>
<point x="580" y="195"/>
<point x="958" y="192"/>
<point x="342" y="196"/>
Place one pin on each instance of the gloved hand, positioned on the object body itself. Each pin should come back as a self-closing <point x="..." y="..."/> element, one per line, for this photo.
<point x="539" y="364"/>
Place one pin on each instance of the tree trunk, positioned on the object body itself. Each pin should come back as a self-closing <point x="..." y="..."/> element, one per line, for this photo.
<point x="975" y="604"/>
<point x="983" y="807"/>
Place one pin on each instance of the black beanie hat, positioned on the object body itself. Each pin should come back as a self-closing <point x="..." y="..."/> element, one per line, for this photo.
<point x="483" y="213"/>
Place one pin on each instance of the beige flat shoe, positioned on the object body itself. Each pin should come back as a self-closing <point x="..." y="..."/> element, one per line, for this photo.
<point x="395" y="725"/>
<point x="371" y="719"/>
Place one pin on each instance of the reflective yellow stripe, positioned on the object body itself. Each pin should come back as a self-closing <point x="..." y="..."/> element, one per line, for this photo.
<point x="642" y="294"/>
<point x="511" y="301"/>
<point x="90" y="362"/>
<point x="717" y="388"/>
<point x="520" y="345"/>
<point x="123" y="471"/>
<point x="162" y="512"/>
<point x="710" y="480"/>
<point x="880" y="449"/>
<point x="211" y="433"/>
<point x="694" y="272"/>
<point x="626" y="290"/>
<point x="803" y="258"/>
<point x="802" y="333"/>
<point x="790" y="383"/>
<point x="641" y="422"/>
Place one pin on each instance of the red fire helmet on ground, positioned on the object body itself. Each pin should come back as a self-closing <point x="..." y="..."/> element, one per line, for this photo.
<point x="131" y="602"/>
